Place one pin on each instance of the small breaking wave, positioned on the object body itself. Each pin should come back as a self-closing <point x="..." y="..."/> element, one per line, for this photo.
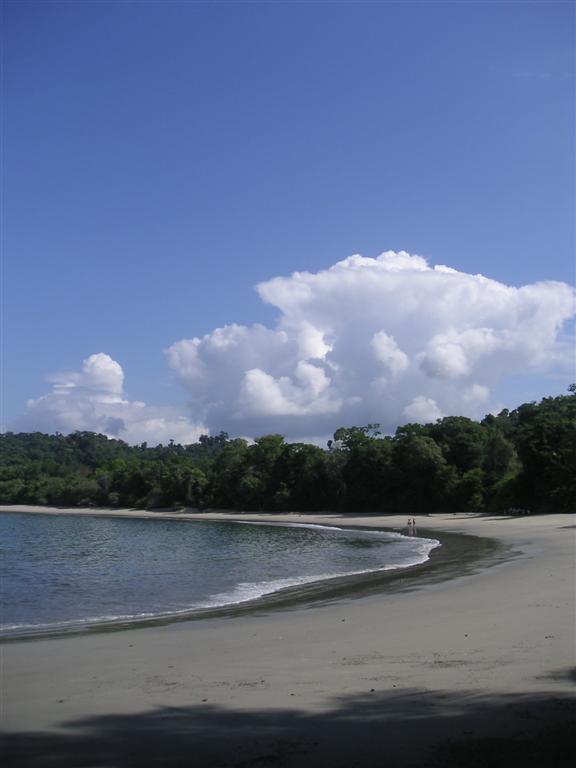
<point x="341" y="555"/>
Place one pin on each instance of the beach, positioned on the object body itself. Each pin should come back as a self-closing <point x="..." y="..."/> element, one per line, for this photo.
<point x="436" y="675"/>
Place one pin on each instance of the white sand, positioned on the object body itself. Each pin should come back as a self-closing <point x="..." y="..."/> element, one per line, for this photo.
<point x="361" y="682"/>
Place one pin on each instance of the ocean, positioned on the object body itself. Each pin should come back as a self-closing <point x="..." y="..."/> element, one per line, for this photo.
<point x="62" y="573"/>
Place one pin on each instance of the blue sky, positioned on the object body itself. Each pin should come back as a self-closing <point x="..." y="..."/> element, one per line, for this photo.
<point x="163" y="158"/>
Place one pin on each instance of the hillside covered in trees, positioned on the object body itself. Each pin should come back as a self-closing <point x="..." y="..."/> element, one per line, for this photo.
<point x="523" y="458"/>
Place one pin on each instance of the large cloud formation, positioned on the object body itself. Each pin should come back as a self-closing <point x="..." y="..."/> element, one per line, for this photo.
<point x="92" y="399"/>
<point x="387" y="339"/>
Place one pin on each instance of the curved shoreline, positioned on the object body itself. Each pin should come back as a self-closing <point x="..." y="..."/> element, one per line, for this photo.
<point x="488" y="654"/>
<point x="455" y="556"/>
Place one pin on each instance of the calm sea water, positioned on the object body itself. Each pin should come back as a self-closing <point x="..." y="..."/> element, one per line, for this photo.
<point x="69" y="572"/>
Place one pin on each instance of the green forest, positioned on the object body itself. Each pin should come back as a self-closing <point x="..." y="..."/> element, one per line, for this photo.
<point x="518" y="460"/>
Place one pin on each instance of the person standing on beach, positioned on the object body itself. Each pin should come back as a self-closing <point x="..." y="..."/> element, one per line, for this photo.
<point x="413" y="526"/>
<point x="409" y="528"/>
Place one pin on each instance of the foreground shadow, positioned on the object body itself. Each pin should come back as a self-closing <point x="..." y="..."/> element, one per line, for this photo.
<point x="377" y="730"/>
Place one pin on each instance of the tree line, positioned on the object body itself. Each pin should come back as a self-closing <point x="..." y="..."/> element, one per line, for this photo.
<point x="521" y="459"/>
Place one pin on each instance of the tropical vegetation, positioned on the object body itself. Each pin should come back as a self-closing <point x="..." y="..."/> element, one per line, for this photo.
<point x="522" y="459"/>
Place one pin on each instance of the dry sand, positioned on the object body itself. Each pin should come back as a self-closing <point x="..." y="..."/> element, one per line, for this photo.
<point x="476" y="670"/>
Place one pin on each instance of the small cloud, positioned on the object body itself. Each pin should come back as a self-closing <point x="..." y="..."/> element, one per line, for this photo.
<point x="531" y="74"/>
<point x="422" y="410"/>
<point x="92" y="399"/>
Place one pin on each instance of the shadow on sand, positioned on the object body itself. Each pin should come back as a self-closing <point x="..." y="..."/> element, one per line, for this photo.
<point x="376" y="730"/>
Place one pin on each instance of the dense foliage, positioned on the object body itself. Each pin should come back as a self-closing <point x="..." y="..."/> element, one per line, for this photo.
<point x="519" y="459"/>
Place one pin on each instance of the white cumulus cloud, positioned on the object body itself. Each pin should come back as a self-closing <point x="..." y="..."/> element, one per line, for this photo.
<point x="385" y="339"/>
<point x="92" y="400"/>
<point x="422" y="410"/>
<point x="389" y="339"/>
<point x="388" y="353"/>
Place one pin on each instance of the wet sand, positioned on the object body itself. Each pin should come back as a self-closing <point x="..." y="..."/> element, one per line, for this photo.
<point x="453" y="670"/>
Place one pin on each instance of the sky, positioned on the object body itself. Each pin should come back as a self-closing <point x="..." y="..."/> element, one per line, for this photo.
<point x="284" y="216"/>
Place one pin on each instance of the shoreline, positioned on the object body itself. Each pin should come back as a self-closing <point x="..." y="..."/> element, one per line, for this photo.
<point x="386" y="678"/>
<point x="454" y="556"/>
